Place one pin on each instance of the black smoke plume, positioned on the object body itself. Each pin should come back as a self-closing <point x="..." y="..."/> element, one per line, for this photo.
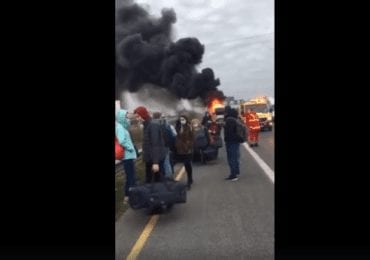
<point x="146" y="54"/>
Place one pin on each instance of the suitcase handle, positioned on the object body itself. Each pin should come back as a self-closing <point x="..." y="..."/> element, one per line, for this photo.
<point x="161" y="178"/>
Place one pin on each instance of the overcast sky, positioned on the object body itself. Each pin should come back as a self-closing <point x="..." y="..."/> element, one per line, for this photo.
<point x="238" y="36"/>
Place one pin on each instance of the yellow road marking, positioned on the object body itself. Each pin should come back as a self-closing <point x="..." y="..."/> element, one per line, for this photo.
<point x="180" y="174"/>
<point x="143" y="238"/>
<point x="139" y="244"/>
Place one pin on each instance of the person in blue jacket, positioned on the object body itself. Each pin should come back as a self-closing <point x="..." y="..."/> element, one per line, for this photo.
<point x="124" y="138"/>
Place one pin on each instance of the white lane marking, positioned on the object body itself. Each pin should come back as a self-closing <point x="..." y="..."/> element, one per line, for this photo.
<point x="270" y="173"/>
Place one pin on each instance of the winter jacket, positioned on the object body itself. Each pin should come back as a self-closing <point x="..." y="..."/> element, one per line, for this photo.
<point x="205" y="120"/>
<point x="123" y="135"/>
<point x="184" y="140"/>
<point x="154" y="149"/>
<point x="230" y="135"/>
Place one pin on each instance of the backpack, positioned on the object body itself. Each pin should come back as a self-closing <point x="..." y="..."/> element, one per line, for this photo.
<point x="119" y="150"/>
<point x="241" y="131"/>
<point x="168" y="135"/>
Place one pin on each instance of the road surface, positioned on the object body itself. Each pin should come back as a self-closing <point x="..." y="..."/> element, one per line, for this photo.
<point x="266" y="147"/>
<point x="221" y="219"/>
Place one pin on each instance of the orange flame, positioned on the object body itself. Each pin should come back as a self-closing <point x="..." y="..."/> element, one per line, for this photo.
<point x="215" y="103"/>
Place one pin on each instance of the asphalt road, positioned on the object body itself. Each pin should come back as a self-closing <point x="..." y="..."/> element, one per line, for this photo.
<point x="266" y="147"/>
<point x="221" y="219"/>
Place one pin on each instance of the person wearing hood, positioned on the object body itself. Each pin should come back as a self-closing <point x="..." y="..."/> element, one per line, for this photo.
<point x="154" y="149"/>
<point x="227" y="111"/>
<point x="124" y="139"/>
<point x="232" y="143"/>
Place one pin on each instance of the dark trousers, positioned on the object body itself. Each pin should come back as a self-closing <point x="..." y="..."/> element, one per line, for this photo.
<point x="129" y="168"/>
<point x="149" y="175"/>
<point x="186" y="160"/>
<point x="233" y="156"/>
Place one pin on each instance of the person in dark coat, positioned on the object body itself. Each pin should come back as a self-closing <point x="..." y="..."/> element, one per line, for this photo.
<point x="205" y="119"/>
<point x="154" y="149"/>
<point x="232" y="143"/>
<point x="184" y="146"/>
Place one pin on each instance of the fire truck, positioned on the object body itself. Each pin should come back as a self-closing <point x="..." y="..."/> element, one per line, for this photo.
<point x="263" y="107"/>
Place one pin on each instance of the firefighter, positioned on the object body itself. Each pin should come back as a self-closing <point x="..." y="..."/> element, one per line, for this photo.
<point x="253" y="123"/>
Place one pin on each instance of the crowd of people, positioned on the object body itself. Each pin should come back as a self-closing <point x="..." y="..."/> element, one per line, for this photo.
<point x="164" y="144"/>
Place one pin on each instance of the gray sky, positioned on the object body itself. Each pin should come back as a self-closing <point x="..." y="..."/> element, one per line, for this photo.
<point x="238" y="36"/>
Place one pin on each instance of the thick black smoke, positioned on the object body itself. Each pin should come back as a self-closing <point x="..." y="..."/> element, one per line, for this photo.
<point x="146" y="54"/>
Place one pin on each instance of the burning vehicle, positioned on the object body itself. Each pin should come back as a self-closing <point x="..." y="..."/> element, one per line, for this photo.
<point x="216" y="107"/>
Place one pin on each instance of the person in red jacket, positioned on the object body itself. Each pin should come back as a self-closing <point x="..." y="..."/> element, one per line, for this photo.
<point x="213" y="129"/>
<point x="253" y="123"/>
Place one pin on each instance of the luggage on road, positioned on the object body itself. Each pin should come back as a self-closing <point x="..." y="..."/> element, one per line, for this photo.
<point x="217" y="141"/>
<point x="209" y="154"/>
<point x="158" y="195"/>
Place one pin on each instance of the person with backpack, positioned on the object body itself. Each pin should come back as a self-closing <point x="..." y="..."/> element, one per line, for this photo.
<point x="154" y="150"/>
<point x="184" y="146"/>
<point x="227" y="111"/>
<point x="201" y="139"/>
<point x="233" y="136"/>
<point x="169" y="138"/>
<point x="124" y="139"/>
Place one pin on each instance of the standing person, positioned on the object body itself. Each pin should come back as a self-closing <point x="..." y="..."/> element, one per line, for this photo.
<point x="154" y="150"/>
<point x="201" y="139"/>
<point x="213" y="129"/>
<point x="184" y="145"/>
<point x="135" y="132"/>
<point x="196" y="127"/>
<point x="232" y="143"/>
<point x="205" y="119"/>
<point x="167" y="166"/>
<point x="124" y="139"/>
<point x="253" y="123"/>
<point x="227" y="111"/>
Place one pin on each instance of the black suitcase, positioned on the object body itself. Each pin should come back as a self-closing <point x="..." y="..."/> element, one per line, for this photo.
<point x="218" y="142"/>
<point x="157" y="195"/>
<point x="209" y="154"/>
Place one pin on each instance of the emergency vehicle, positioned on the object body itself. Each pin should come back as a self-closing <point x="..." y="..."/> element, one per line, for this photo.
<point x="263" y="107"/>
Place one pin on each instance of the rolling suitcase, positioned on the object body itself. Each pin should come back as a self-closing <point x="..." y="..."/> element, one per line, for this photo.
<point x="209" y="154"/>
<point x="217" y="141"/>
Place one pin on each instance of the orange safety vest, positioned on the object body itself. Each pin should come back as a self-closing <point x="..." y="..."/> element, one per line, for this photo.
<point x="252" y="121"/>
